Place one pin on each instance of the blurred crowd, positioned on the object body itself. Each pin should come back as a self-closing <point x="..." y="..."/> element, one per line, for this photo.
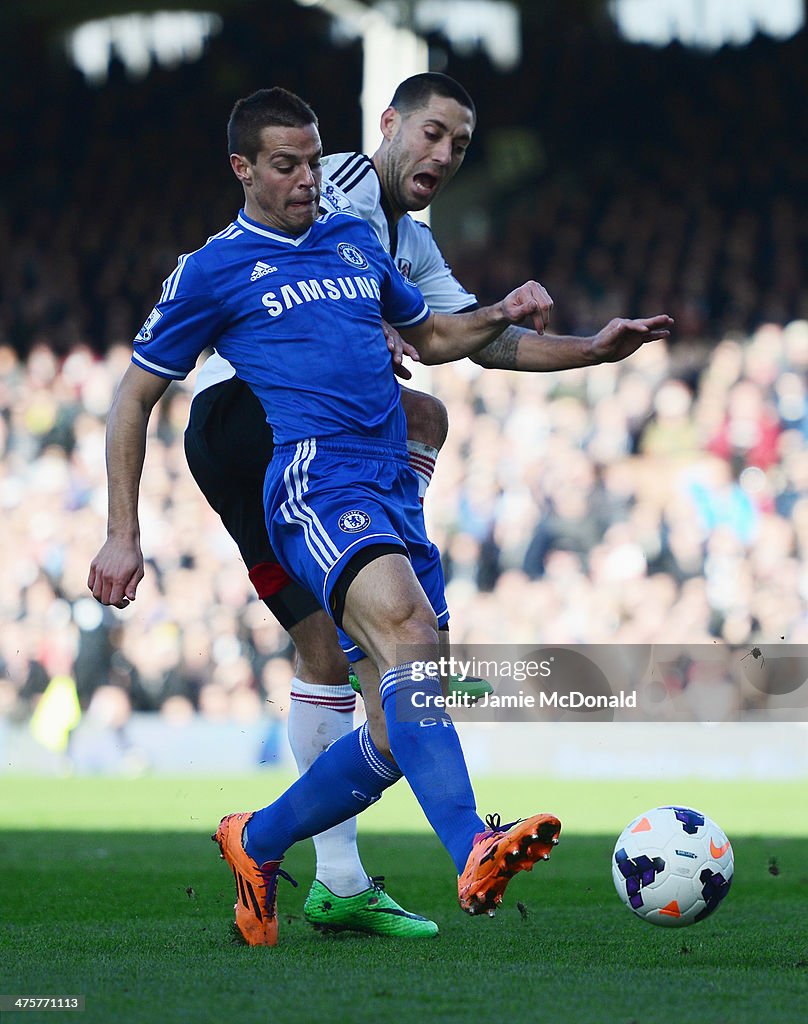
<point x="663" y="180"/>
<point x="195" y="640"/>
<point x="664" y="499"/>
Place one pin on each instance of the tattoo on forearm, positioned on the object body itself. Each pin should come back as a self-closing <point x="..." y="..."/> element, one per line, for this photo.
<point x="500" y="354"/>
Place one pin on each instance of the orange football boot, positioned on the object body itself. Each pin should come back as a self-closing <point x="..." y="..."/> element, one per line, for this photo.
<point x="256" y="886"/>
<point x="501" y="852"/>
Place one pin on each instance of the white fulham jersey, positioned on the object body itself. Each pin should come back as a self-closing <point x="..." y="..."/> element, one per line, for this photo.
<point x="351" y="185"/>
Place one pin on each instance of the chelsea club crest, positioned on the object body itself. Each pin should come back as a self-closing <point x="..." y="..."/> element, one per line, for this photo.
<point x="354" y="521"/>
<point x="352" y="256"/>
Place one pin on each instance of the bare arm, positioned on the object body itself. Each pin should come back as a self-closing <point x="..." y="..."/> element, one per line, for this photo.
<point x="520" y="349"/>
<point x="445" y="337"/>
<point x="117" y="569"/>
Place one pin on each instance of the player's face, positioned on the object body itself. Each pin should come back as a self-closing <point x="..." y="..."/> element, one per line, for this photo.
<point x="282" y="187"/>
<point x="425" y="152"/>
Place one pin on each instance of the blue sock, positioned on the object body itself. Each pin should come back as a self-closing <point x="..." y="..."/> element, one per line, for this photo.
<point x="427" y="749"/>
<point x="345" y="779"/>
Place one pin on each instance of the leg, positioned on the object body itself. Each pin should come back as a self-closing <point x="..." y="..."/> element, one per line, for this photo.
<point x="427" y="427"/>
<point x="320" y="712"/>
<point x="385" y="607"/>
<point x="427" y="419"/>
<point x="371" y="589"/>
<point x="380" y="595"/>
<point x="318" y="655"/>
<point x="367" y="582"/>
<point x="388" y="613"/>
<point x="342" y="896"/>
<point x="228" y="445"/>
<point x="369" y="681"/>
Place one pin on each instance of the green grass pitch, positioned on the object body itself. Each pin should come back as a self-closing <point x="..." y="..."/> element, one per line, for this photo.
<point x="112" y="889"/>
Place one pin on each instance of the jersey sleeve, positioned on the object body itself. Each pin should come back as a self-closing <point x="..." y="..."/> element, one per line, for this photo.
<point x="186" y="320"/>
<point x="433" y="275"/>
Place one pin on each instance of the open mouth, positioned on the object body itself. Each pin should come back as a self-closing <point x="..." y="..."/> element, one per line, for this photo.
<point x="425" y="183"/>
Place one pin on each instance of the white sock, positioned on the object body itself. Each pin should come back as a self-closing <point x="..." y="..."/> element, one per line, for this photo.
<point x="318" y="715"/>
<point x="422" y="459"/>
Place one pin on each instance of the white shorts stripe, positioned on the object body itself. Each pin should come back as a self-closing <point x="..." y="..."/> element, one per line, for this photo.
<point x="292" y="516"/>
<point x="303" y="486"/>
<point x="295" y="511"/>
<point x="300" y="474"/>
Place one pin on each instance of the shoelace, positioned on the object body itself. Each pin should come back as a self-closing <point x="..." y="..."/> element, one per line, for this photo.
<point x="271" y="880"/>
<point x="493" y="823"/>
<point x="377" y="882"/>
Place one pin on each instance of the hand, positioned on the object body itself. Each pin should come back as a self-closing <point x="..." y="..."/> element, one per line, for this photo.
<point x="621" y="338"/>
<point x="115" y="572"/>
<point x="398" y="349"/>
<point x="530" y="305"/>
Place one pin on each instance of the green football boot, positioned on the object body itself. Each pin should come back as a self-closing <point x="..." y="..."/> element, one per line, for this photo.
<point x="472" y="686"/>
<point x="371" y="911"/>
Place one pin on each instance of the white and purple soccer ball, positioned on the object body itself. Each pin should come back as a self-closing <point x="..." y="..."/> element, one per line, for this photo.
<point x="672" y="866"/>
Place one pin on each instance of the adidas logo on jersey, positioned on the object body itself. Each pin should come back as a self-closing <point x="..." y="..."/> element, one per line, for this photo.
<point x="261" y="270"/>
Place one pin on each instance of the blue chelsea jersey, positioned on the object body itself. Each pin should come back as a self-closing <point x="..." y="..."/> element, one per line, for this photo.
<point x="300" y="320"/>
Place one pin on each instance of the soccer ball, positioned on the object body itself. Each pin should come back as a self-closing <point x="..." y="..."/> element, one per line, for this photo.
<point x="672" y="866"/>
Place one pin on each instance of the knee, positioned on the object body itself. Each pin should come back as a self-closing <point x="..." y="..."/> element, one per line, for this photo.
<point x="320" y="658"/>
<point x="427" y="418"/>
<point x="404" y="634"/>
<point x="416" y="624"/>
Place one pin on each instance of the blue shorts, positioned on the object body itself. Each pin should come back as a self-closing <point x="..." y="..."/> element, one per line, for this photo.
<point x="326" y="500"/>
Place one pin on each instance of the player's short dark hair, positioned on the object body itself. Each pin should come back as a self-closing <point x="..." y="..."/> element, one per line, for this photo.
<point x="416" y="92"/>
<point x="266" y="108"/>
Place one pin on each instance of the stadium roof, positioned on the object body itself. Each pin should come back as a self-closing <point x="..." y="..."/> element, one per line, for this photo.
<point x="55" y="15"/>
<point x="58" y="13"/>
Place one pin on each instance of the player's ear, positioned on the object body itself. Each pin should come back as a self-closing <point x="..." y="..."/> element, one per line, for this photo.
<point x="241" y="168"/>
<point x="390" y="122"/>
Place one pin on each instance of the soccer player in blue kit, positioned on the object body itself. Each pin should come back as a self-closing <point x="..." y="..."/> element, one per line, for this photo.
<point x="342" y="508"/>
<point x="426" y="130"/>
